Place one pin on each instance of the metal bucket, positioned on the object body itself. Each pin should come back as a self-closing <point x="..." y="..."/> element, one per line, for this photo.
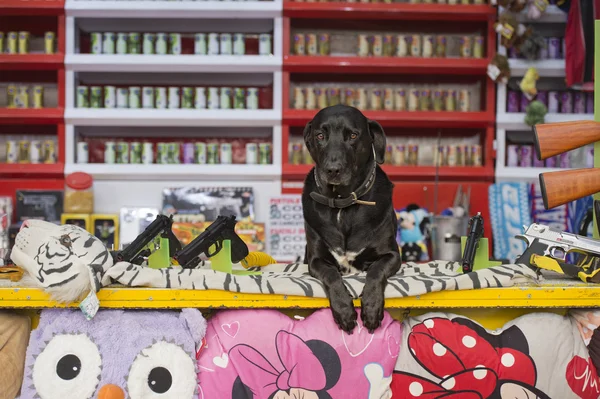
<point x="445" y="237"/>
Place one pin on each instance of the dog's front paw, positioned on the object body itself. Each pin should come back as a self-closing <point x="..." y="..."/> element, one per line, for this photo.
<point x="372" y="309"/>
<point x="344" y="314"/>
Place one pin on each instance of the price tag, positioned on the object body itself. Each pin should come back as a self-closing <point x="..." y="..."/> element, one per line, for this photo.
<point x="507" y="31"/>
<point x="90" y="305"/>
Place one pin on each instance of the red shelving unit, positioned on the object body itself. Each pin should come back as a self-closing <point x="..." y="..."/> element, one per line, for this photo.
<point x="32" y="7"/>
<point x="32" y="61"/>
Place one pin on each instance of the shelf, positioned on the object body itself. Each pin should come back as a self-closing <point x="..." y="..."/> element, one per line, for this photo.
<point x="545" y="295"/>
<point x="395" y="173"/>
<point x="172" y="9"/>
<point x="43" y="116"/>
<point x="545" y="68"/>
<point x="172" y="63"/>
<point x="355" y="64"/>
<point x="553" y="14"/>
<point x="294" y="117"/>
<point x="515" y="121"/>
<point x="172" y="117"/>
<point x="31" y="61"/>
<point x="32" y="7"/>
<point x="24" y="170"/>
<point x="177" y="172"/>
<point x="400" y="11"/>
<point x="513" y="173"/>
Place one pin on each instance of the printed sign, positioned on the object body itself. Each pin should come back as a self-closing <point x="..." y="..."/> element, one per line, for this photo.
<point x="286" y="236"/>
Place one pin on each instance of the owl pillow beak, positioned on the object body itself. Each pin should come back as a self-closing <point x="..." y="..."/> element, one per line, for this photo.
<point x="111" y="391"/>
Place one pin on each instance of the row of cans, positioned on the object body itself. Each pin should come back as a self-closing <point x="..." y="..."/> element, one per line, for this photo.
<point x="416" y="45"/>
<point x="23" y="96"/>
<point x="557" y="102"/>
<point x="167" y="97"/>
<point x="458" y="155"/>
<point x="523" y="156"/>
<point x="18" y="42"/>
<point x="388" y="99"/>
<point x="31" y="151"/>
<point x="176" y="153"/>
<point x="555" y="49"/>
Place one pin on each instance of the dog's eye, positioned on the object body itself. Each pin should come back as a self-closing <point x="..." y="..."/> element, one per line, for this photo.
<point x="320" y="136"/>
<point x="353" y="136"/>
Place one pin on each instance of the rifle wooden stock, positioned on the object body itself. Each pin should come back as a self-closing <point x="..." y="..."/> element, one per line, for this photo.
<point x="559" y="188"/>
<point x="555" y="138"/>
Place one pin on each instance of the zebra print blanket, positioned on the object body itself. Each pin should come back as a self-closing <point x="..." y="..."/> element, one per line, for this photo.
<point x="293" y="279"/>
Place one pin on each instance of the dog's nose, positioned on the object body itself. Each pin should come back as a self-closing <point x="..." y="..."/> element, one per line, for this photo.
<point x="333" y="170"/>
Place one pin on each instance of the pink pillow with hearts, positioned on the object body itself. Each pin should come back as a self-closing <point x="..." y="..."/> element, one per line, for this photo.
<point x="264" y="354"/>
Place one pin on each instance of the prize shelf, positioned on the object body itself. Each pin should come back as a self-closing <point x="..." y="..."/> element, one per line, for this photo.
<point x="516" y="120"/>
<point x="31" y="61"/>
<point x="545" y="68"/>
<point x="32" y="7"/>
<point x="32" y="170"/>
<point x="511" y="173"/>
<point x="29" y="116"/>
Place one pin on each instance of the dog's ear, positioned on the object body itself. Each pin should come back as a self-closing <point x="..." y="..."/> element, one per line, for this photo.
<point x="308" y="139"/>
<point x="378" y="137"/>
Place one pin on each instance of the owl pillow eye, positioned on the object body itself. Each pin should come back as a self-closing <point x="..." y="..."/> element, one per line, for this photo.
<point x="68" y="367"/>
<point x="163" y="370"/>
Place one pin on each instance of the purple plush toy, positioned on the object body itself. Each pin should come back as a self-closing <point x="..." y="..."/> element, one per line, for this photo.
<point x="117" y="355"/>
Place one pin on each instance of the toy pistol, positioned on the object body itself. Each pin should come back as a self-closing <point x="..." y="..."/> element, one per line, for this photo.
<point x="221" y="229"/>
<point x="140" y="248"/>
<point x="473" y="236"/>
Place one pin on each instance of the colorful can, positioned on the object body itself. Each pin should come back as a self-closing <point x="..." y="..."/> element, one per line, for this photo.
<point x="402" y="45"/>
<point x="437" y="100"/>
<point x="82" y="152"/>
<point x="299" y="100"/>
<point x="214" y="99"/>
<point x="160" y="97"/>
<point x="162" y="43"/>
<point x="135" y="43"/>
<point x="452" y="155"/>
<point x="464" y="100"/>
<point x="413" y="99"/>
<point x="49" y="43"/>
<point x="349" y="96"/>
<point x="23" y="42"/>
<point x="566" y="102"/>
<point x="148" y="43"/>
<point x="334" y="96"/>
<point x="239" y="98"/>
<point x="578" y="102"/>
<point x="96" y="100"/>
<point x="321" y="96"/>
<point x="226" y="44"/>
<point x="377" y="45"/>
<point x="478" y="43"/>
<point x="147" y="97"/>
<point x="83" y="97"/>
<point x="175" y="43"/>
<point x="122" y="97"/>
<point x="135" y="152"/>
<point x="108" y="44"/>
<point x="264" y="44"/>
<point x="466" y="46"/>
<point x="440" y="45"/>
<point x="424" y="100"/>
<point x="135" y="97"/>
<point x="147" y="153"/>
<point x="213" y="44"/>
<point x="399" y="157"/>
<point x="252" y="153"/>
<point x="36" y="153"/>
<point x="12" y="151"/>
<point x="264" y="153"/>
<point x="323" y="44"/>
<point x="554" y="46"/>
<point x="24" y="151"/>
<point x="450" y="102"/>
<point x="173" y="98"/>
<point x="226" y="153"/>
<point x="38" y="96"/>
<point x="296" y="156"/>
<point x="360" y="100"/>
<point x="400" y="99"/>
<point x="299" y="44"/>
<point x="12" y="43"/>
<point x="187" y="97"/>
<point x="388" y="45"/>
<point x="428" y="46"/>
<point x="2" y="43"/>
<point x="122" y="43"/>
<point x="553" y="102"/>
<point x="162" y="154"/>
<point x="21" y="99"/>
<point x="363" y="45"/>
<point x="212" y="153"/>
<point x="200" y="100"/>
<point x="476" y="155"/>
<point x="252" y="98"/>
<point x="589" y="102"/>
<point x="415" y="45"/>
<point x="122" y="152"/>
<point x="225" y="99"/>
<point x="239" y="44"/>
<point x="110" y="152"/>
<point x="376" y="99"/>
<point x="311" y="44"/>
<point x="524" y="103"/>
<point x="389" y="154"/>
<point x="413" y="155"/>
<point x="173" y="153"/>
<point x="50" y="155"/>
<point x="513" y="101"/>
<point x="200" y="153"/>
<point x="388" y="99"/>
<point x="200" y="46"/>
<point x="189" y="155"/>
<point x="110" y="96"/>
<point x="11" y="96"/>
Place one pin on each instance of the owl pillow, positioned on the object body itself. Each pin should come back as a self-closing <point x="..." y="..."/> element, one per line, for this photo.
<point x="118" y="354"/>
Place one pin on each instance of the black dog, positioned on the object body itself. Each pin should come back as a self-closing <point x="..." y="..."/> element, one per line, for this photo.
<point x="349" y="217"/>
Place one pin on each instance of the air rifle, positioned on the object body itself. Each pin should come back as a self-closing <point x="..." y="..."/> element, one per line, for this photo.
<point x="559" y="188"/>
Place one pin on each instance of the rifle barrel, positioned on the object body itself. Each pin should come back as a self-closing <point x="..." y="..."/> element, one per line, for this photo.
<point x="551" y="139"/>
<point x="559" y="188"/>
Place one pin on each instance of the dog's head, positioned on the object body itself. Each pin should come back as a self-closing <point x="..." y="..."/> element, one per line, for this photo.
<point x="343" y="142"/>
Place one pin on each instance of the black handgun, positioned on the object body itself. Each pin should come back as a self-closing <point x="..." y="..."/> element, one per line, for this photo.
<point x="473" y="236"/>
<point x="138" y="249"/>
<point x="221" y="229"/>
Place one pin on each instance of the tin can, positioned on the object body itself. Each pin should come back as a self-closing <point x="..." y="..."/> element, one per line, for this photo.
<point x="349" y="96"/>
<point x="251" y="98"/>
<point x="307" y="157"/>
<point x="377" y="45"/>
<point x="173" y="98"/>
<point x="161" y="46"/>
<point x="239" y="44"/>
<point x="200" y="153"/>
<point x="264" y="44"/>
<point x="122" y="41"/>
<point x="83" y="97"/>
<point x="173" y="151"/>
<point x="110" y="96"/>
<point x="296" y="157"/>
<point x="334" y="96"/>
<point x="226" y="153"/>
<point x="226" y="44"/>
<point x="175" y="43"/>
<point x="12" y="43"/>
<point x="200" y="46"/>
<point x="467" y="156"/>
<point x="513" y="101"/>
<point x="24" y="151"/>
<point x="38" y="96"/>
<point x="544" y="50"/>
<point x="213" y="44"/>
<point x="21" y="99"/>
<point x="122" y="152"/>
<point x="23" y="42"/>
<point x="311" y="98"/>
<point x="465" y="46"/>
<point x="363" y="45"/>
<point x="388" y="99"/>
<point x="200" y="98"/>
<point x="213" y="98"/>
<point x="264" y="153"/>
<point x="388" y="45"/>
<point x="135" y="43"/>
<point x="579" y="102"/>
<point x="439" y="155"/>
<point x="110" y="152"/>
<point x="225" y="99"/>
<point x="36" y="153"/>
<point x="212" y="153"/>
<point x="524" y="103"/>
<point x="323" y="44"/>
<point x="476" y="155"/>
<point x="566" y="102"/>
<point x="553" y="102"/>
<point x="311" y="44"/>
<point x="450" y="101"/>
<point x="251" y="153"/>
<point x="464" y="100"/>
<point x="299" y="44"/>
<point x="50" y="151"/>
<point x="187" y="97"/>
<point x="388" y="155"/>
<point x="2" y="50"/>
<point x="478" y="47"/>
<point x="428" y="46"/>
<point x="321" y="95"/>
<point x="399" y="157"/>
<point x="147" y="97"/>
<point x="189" y="155"/>
<point x="360" y="99"/>
<point x="239" y="98"/>
<point x="424" y="100"/>
<point x="440" y="45"/>
<point x="554" y="45"/>
<point x="12" y="151"/>
<point x="122" y="97"/>
<point x="135" y="97"/>
<point x="108" y="44"/>
<point x="148" y="43"/>
<point x="96" y="100"/>
<point x="415" y="45"/>
<point x="376" y="99"/>
<point x="413" y="155"/>
<point x="160" y="97"/>
<point x="135" y="152"/>
<point x="437" y="100"/>
<point x="413" y="99"/>
<point x="299" y="100"/>
<point x="11" y="96"/>
<point x="401" y="42"/>
<point x="162" y="155"/>
<point x="400" y="99"/>
<point x="589" y="103"/>
<point x="147" y="153"/>
<point x="82" y="152"/>
<point x="49" y="39"/>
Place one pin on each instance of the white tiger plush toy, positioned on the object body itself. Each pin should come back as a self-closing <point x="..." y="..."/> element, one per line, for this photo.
<point x="66" y="261"/>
